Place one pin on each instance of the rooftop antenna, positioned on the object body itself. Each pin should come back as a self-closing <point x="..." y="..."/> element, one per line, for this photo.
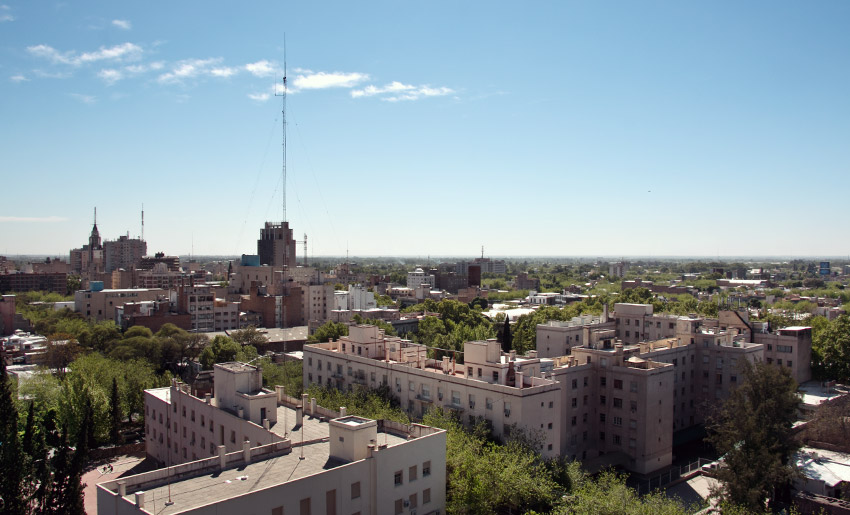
<point x="143" y="222"/>
<point x="482" y="251"/>
<point x="283" y="118"/>
<point x="305" y="249"/>
<point x="95" y="215"/>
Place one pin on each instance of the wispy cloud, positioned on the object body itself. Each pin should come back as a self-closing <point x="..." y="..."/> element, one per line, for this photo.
<point x="260" y="68"/>
<point x="324" y="80"/>
<point x="124" y="51"/>
<point x="4" y="13"/>
<point x="18" y="78"/>
<point x="136" y="69"/>
<point x="223" y="71"/>
<point x="12" y="219"/>
<point x="85" y="99"/>
<point x="191" y="68"/>
<point x="110" y="76"/>
<point x="396" y="91"/>
<point x="259" y="97"/>
<point x="122" y="24"/>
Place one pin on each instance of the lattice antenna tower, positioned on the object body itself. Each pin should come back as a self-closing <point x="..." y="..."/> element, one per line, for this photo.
<point x="282" y="94"/>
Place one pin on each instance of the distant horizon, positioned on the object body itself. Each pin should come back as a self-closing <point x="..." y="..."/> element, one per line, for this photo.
<point x="613" y="258"/>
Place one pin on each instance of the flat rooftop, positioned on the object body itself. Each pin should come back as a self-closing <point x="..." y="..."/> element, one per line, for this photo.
<point x="216" y="486"/>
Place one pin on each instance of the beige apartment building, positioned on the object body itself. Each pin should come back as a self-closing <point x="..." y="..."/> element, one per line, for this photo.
<point x="100" y="305"/>
<point x="789" y="347"/>
<point x="319" y="461"/>
<point x="504" y="390"/>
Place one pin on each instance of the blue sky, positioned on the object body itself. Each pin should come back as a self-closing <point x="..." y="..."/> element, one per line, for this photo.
<point x="546" y="128"/>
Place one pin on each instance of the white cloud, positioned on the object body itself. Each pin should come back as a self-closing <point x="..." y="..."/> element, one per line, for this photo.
<point x="191" y="68"/>
<point x="260" y="68"/>
<point x="18" y="78"/>
<point x="122" y="24"/>
<point x="119" y="53"/>
<point x="323" y="80"/>
<point x="86" y="99"/>
<point x="259" y="97"/>
<point x="33" y="219"/>
<point x="396" y="91"/>
<point x="136" y="69"/>
<point x="223" y="71"/>
<point x="110" y="76"/>
<point x="5" y="16"/>
<point x="51" y="75"/>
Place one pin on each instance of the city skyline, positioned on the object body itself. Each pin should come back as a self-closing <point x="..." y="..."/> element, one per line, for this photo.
<point x="567" y="130"/>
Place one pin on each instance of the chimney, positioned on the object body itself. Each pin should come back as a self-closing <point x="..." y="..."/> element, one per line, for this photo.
<point x="342" y="411"/>
<point x="518" y="379"/>
<point x="512" y="355"/>
<point x="140" y="499"/>
<point x="266" y="424"/>
<point x="207" y="398"/>
<point x="122" y="488"/>
<point x="313" y="407"/>
<point x="241" y="411"/>
<point x="246" y="452"/>
<point x="281" y="391"/>
<point x="222" y="457"/>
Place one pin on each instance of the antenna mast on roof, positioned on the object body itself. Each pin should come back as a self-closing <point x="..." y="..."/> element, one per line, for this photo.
<point x="143" y="222"/>
<point x="283" y="118"/>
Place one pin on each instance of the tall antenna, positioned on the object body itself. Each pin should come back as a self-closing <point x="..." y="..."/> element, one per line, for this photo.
<point x="95" y="215"/>
<point x="305" y="249"/>
<point x="143" y="222"/>
<point x="283" y="118"/>
<point x="482" y="251"/>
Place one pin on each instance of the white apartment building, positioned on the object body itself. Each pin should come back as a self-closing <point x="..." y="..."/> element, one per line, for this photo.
<point x="556" y="337"/>
<point x="504" y="390"/>
<point x="357" y="466"/>
<point x="418" y="277"/>
<point x="318" y="301"/>
<point x="199" y="302"/>
<point x="357" y="298"/>
<point x="248" y="448"/>
<point x="226" y="315"/>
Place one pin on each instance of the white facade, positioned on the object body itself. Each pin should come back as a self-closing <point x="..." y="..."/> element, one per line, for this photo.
<point x="501" y="389"/>
<point x="357" y="466"/>
<point x="357" y="298"/>
<point x="418" y="277"/>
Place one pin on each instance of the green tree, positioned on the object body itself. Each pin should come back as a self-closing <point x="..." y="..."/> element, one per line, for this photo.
<point x="506" y="335"/>
<point x="224" y="350"/>
<point x="327" y="332"/>
<point x="11" y="459"/>
<point x="831" y="348"/>
<point x="116" y="415"/>
<point x="250" y="336"/>
<point x="752" y="430"/>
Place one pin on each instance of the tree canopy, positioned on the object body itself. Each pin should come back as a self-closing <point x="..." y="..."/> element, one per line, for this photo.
<point x="752" y="431"/>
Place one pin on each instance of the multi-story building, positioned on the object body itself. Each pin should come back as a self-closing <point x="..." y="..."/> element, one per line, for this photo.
<point x="357" y="298"/>
<point x="7" y="315"/>
<point x="237" y="452"/>
<point x="101" y="304"/>
<point x="317" y="303"/>
<point x="199" y="302"/>
<point x="152" y="314"/>
<point x="503" y="389"/>
<point x="226" y="315"/>
<point x="19" y="282"/>
<point x="419" y="277"/>
<point x="524" y="282"/>
<point x="263" y="309"/>
<point x="276" y="246"/>
<point x="89" y="259"/>
<point x="125" y="252"/>
<point x="556" y="338"/>
<point x="51" y="266"/>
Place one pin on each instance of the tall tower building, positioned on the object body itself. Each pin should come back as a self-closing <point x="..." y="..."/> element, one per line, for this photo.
<point x="276" y="246"/>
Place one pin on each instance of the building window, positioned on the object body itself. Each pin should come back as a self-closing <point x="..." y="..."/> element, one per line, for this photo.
<point x="412" y="500"/>
<point x="495" y="376"/>
<point x="633" y="386"/>
<point x="603" y="381"/>
<point x="602" y="400"/>
<point x="426" y="469"/>
<point x="426" y="496"/>
<point x="305" y="506"/>
<point x="575" y="384"/>
<point x="618" y="403"/>
<point x="398" y="478"/>
<point x="618" y="421"/>
<point x="602" y="418"/>
<point x="488" y="403"/>
<point x="617" y="440"/>
<point x="233" y="437"/>
<point x="601" y="436"/>
<point x="618" y="384"/>
<point x="573" y="421"/>
<point x="399" y="506"/>
<point x="575" y="402"/>
<point x="411" y="473"/>
<point x="455" y="398"/>
<point x="471" y="401"/>
<point x="355" y="490"/>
